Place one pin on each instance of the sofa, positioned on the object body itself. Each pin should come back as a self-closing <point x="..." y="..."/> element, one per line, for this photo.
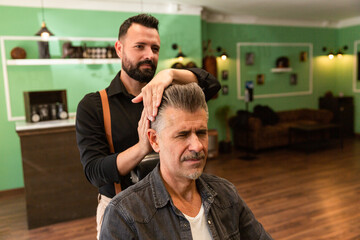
<point x="269" y="129"/>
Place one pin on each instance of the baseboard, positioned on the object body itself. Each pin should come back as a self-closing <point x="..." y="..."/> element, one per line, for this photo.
<point x="12" y="192"/>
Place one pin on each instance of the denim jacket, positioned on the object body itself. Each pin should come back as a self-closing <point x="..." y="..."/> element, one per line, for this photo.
<point x="145" y="211"/>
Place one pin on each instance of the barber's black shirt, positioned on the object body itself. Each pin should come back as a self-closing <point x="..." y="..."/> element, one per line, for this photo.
<point x="98" y="163"/>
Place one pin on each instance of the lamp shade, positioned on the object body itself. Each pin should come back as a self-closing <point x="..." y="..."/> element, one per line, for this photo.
<point x="44" y="32"/>
<point x="180" y="55"/>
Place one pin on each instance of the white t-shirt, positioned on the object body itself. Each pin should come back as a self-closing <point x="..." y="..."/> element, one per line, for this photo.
<point x="199" y="227"/>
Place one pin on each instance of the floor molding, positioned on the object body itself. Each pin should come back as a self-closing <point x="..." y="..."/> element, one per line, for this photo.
<point x="12" y="192"/>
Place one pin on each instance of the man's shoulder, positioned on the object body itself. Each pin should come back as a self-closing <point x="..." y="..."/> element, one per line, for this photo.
<point x="134" y="191"/>
<point x="90" y="104"/>
<point x="224" y="189"/>
<point x="136" y="201"/>
<point x="90" y="98"/>
<point x="215" y="180"/>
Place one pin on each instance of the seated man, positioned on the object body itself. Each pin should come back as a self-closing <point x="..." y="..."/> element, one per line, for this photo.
<point x="176" y="200"/>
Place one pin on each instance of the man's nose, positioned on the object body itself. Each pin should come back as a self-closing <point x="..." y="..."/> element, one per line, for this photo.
<point x="195" y="144"/>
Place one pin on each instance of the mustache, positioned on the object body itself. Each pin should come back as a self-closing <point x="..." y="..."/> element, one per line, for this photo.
<point x="151" y="63"/>
<point x="194" y="155"/>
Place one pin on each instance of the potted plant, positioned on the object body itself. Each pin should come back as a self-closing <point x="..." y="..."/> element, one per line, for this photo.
<point x="222" y="115"/>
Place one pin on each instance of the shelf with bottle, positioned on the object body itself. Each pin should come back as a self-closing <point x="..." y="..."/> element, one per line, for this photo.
<point x="29" y="56"/>
<point x="59" y="61"/>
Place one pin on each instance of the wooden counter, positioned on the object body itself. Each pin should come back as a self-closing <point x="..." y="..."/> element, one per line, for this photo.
<point x="55" y="185"/>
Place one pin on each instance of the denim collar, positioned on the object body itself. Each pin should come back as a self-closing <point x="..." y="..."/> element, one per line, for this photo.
<point x="162" y="197"/>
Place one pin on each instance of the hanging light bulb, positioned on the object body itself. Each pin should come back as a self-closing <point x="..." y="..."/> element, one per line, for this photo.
<point x="331" y="55"/>
<point x="223" y="55"/>
<point x="339" y="54"/>
<point x="44" y="33"/>
<point x="180" y="56"/>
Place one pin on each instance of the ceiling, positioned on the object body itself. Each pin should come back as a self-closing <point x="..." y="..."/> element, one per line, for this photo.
<point x="320" y="12"/>
<point x="323" y="13"/>
<point x="284" y="12"/>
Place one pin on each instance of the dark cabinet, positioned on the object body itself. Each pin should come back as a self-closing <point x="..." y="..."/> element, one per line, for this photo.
<point x="55" y="185"/>
<point x="343" y="110"/>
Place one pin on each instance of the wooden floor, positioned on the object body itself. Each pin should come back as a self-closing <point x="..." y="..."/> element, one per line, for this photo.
<point x="294" y="195"/>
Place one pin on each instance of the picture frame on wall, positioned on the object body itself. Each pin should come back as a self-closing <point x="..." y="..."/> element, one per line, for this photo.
<point x="249" y="58"/>
<point x="225" y="74"/>
<point x="260" y="79"/>
<point x="303" y="56"/>
<point x="293" y="79"/>
<point x="225" y="89"/>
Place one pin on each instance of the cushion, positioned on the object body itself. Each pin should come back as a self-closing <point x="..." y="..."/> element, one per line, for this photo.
<point x="266" y="115"/>
<point x="240" y="121"/>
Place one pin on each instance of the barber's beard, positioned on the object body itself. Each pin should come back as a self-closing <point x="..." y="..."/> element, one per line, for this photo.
<point x="143" y="76"/>
<point x="196" y="155"/>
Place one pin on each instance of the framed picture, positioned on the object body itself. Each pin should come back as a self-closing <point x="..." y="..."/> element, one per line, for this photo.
<point x="293" y="79"/>
<point x="260" y="79"/>
<point x="282" y="62"/>
<point x="249" y="58"/>
<point x="224" y="74"/>
<point x="225" y="89"/>
<point x="303" y="56"/>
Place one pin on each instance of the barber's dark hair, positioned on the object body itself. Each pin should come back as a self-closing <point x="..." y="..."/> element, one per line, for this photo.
<point x="143" y="19"/>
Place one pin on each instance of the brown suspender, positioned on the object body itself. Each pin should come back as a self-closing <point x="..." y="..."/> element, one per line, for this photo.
<point x="107" y="125"/>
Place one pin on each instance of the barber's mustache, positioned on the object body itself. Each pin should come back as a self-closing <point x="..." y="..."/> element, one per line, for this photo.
<point x="151" y="63"/>
<point x="194" y="155"/>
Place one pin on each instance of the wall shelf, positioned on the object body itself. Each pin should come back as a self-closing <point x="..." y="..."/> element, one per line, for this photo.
<point x="29" y="62"/>
<point x="281" y="70"/>
<point x="38" y="62"/>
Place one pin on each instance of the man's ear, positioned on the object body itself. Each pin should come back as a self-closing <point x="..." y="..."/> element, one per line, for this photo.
<point x="119" y="48"/>
<point x="153" y="139"/>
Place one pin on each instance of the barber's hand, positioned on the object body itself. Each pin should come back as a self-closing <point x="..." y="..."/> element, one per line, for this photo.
<point x="152" y="93"/>
<point x="143" y="126"/>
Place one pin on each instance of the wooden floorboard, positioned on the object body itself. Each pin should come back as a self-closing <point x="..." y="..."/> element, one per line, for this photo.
<point x="295" y="195"/>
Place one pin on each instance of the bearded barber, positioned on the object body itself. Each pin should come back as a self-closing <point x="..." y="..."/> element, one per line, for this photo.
<point x="134" y="96"/>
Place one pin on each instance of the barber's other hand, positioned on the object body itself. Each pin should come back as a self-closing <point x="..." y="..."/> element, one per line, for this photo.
<point x="152" y="93"/>
<point x="143" y="126"/>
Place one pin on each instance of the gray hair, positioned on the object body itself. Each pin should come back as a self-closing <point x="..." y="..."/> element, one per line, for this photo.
<point x="188" y="97"/>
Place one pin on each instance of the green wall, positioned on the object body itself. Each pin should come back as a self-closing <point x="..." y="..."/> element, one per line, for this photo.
<point x="328" y="75"/>
<point x="347" y="36"/>
<point x="188" y="32"/>
<point x="76" y="79"/>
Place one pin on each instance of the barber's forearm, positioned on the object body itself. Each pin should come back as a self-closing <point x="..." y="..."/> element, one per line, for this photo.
<point x="183" y="76"/>
<point x="209" y="84"/>
<point x="130" y="158"/>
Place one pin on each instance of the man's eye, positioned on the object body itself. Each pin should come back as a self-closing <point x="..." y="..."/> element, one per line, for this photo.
<point x="201" y="133"/>
<point x="181" y="135"/>
<point x="139" y="46"/>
